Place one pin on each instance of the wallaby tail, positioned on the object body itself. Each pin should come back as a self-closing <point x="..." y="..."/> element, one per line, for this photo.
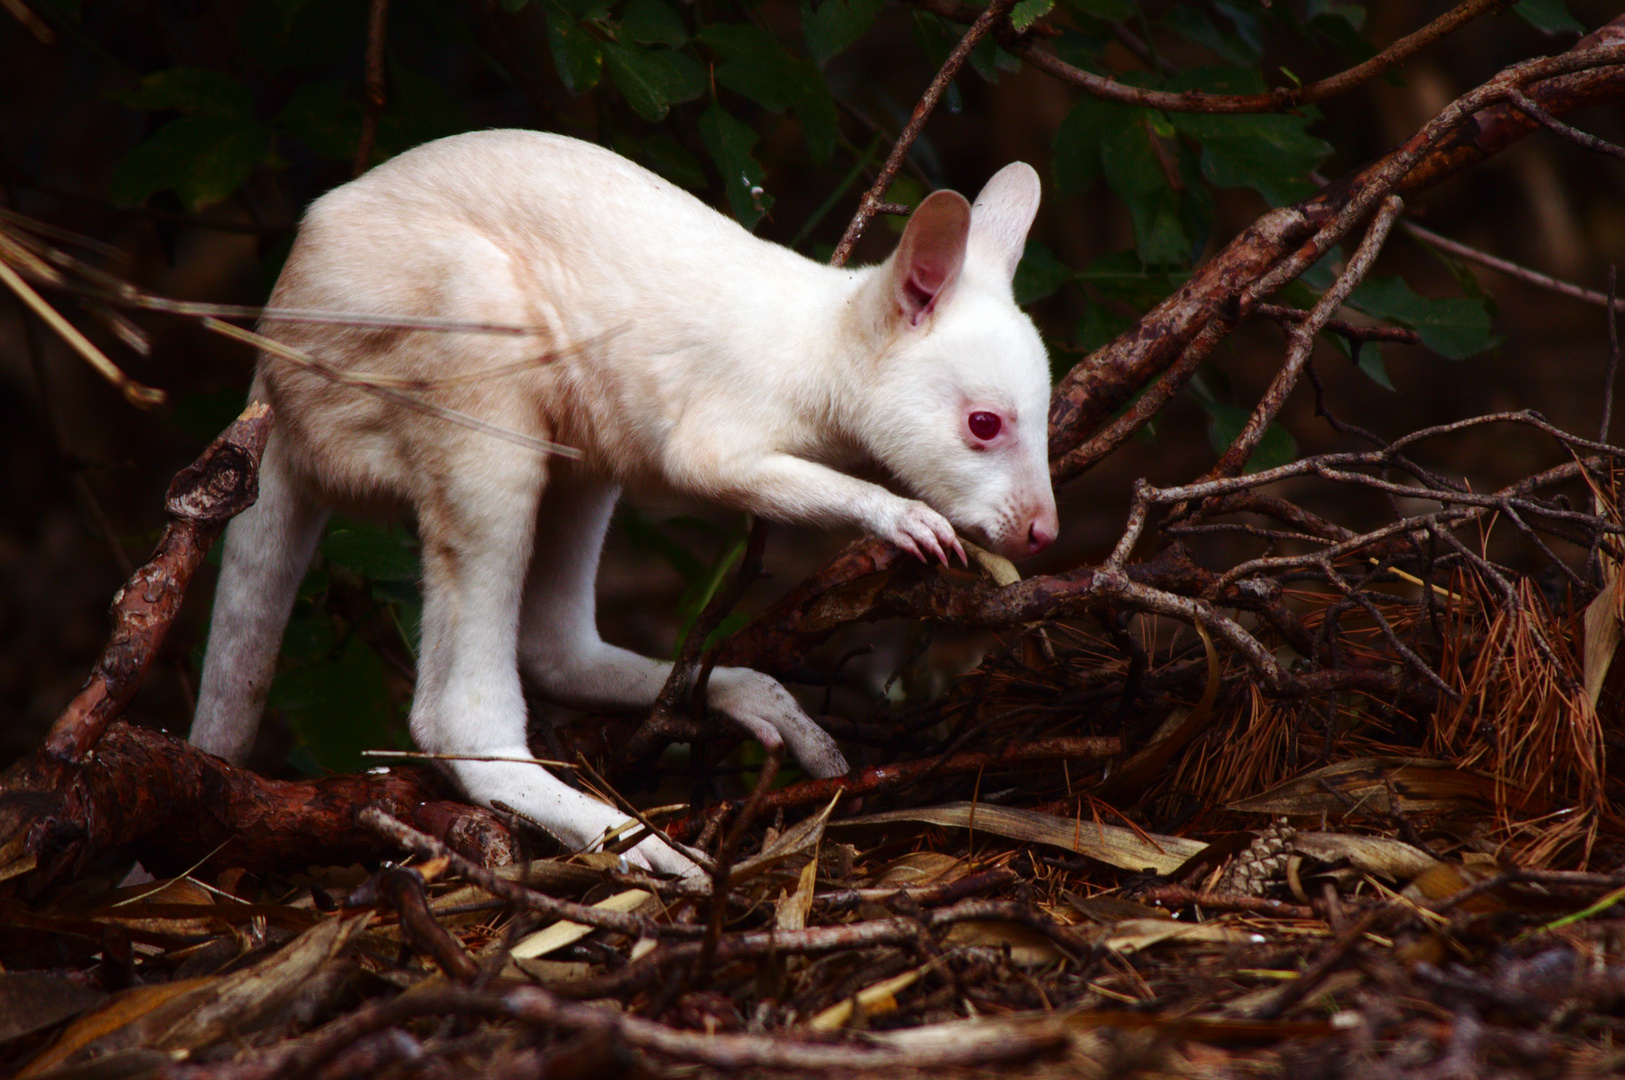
<point x="267" y="549"/>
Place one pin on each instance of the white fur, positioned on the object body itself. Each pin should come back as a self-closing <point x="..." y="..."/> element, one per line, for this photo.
<point x="686" y="354"/>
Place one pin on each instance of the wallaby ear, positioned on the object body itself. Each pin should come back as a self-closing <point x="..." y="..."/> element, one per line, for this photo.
<point x="926" y="263"/>
<point x="1002" y="214"/>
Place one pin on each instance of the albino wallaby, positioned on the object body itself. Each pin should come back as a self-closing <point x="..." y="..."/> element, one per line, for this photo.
<point x="679" y="352"/>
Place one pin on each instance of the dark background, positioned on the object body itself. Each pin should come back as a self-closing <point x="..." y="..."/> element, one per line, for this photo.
<point x="82" y="473"/>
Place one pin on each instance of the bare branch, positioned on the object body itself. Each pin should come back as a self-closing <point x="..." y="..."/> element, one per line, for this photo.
<point x="872" y="199"/>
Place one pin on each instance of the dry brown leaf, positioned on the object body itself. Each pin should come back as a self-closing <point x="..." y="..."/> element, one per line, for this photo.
<point x="921" y="868"/>
<point x="800" y="839"/>
<point x="791" y="912"/>
<point x="1444" y="880"/>
<point x="1107" y="910"/>
<point x="1363" y="784"/>
<point x="966" y="1042"/>
<point x="1027" y="947"/>
<point x="1110" y="844"/>
<point x="1376" y="855"/>
<point x="880" y="997"/>
<point x="564" y="932"/>
<point x="193" y="1014"/>
<point x="1132" y="935"/>
<point x="1602" y="635"/>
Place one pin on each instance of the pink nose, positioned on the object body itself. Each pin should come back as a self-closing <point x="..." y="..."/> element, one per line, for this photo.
<point x="1040" y="535"/>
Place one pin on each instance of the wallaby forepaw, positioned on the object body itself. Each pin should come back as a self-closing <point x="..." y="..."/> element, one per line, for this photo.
<point x="924" y="533"/>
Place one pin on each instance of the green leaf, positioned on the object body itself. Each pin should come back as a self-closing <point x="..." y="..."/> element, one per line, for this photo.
<point x="653" y="22"/>
<point x="1077" y="144"/>
<point x="190" y="90"/>
<point x="835" y="24"/>
<point x="936" y="38"/>
<point x="668" y="157"/>
<point x="1133" y="168"/>
<point x="203" y="414"/>
<point x="903" y="191"/>
<point x="1454" y="327"/>
<point x="586" y="10"/>
<point x="702" y="590"/>
<point x="576" y="53"/>
<point x="419" y="109"/>
<point x="730" y="141"/>
<point x="304" y="35"/>
<point x="1270" y="154"/>
<point x="1027" y="12"/>
<point x="1039" y="274"/>
<point x="647" y="535"/>
<point x="653" y="80"/>
<point x="988" y="58"/>
<point x="1105" y="10"/>
<point x="325" y="118"/>
<point x="1245" y="22"/>
<point x="310" y="637"/>
<point x="341" y="707"/>
<point x="1098" y="326"/>
<point x="1340" y="25"/>
<point x="759" y="68"/>
<point x="1551" y="16"/>
<point x="66" y="10"/>
<point x="202" y="158"/>
<point x="1370" y="363"/>
<point x="1193" y="24"/>
<point x="375" y="552"/>
<point x="1123" y="276"/>
<point x="1225" y="422"/>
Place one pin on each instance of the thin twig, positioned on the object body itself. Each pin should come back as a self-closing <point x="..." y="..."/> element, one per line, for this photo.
<point x="871" y="203"/>
<point x="1280" y="99"/>
<point x="1512" y="269"/>
<point x="426" y="846"/>
<point x="373" y="98"/>
<point x="1558" y="127"/>
<point x="1302" y="339"/>
<point x="1613" y="353"/>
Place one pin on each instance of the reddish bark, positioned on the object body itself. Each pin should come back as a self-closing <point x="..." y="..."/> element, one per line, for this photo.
<point x="169" y="804"/>
<point x="220" y="484"/>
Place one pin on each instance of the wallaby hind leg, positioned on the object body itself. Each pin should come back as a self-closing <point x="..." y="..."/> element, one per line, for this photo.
<point x="571" y="665"/>
<point x="267" y="549"/>
<point x="477" y="531"/>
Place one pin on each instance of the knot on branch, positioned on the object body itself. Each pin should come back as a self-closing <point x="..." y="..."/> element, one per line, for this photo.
<point x="224" y="480"/>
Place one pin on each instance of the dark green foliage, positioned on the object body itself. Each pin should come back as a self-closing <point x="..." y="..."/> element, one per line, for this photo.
<point x="1551" y="16"/>
<point x="702" y="577"/>
<point x="835" y="25"/>
<point x="1455" y="327"/>
<point x="730" y="141"/>
<point x="335" y="689"/>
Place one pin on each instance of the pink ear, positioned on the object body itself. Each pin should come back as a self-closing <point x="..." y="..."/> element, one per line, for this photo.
<point x="927" y="260"/>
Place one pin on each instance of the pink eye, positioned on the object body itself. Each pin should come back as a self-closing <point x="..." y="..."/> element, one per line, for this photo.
<point x="985" y="425"/>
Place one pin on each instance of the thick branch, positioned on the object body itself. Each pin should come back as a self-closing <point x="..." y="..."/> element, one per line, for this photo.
<point x="223" y="482"/>
<point x="1476" y="126"/>
<point x="150" y="795"/>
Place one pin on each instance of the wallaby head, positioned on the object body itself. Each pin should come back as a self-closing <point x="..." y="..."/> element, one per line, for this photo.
<point x="959" y="403"/>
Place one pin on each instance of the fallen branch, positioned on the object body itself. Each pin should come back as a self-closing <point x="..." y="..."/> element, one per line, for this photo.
<point x="153" y="797"/>
<point x="221" y="483"/>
